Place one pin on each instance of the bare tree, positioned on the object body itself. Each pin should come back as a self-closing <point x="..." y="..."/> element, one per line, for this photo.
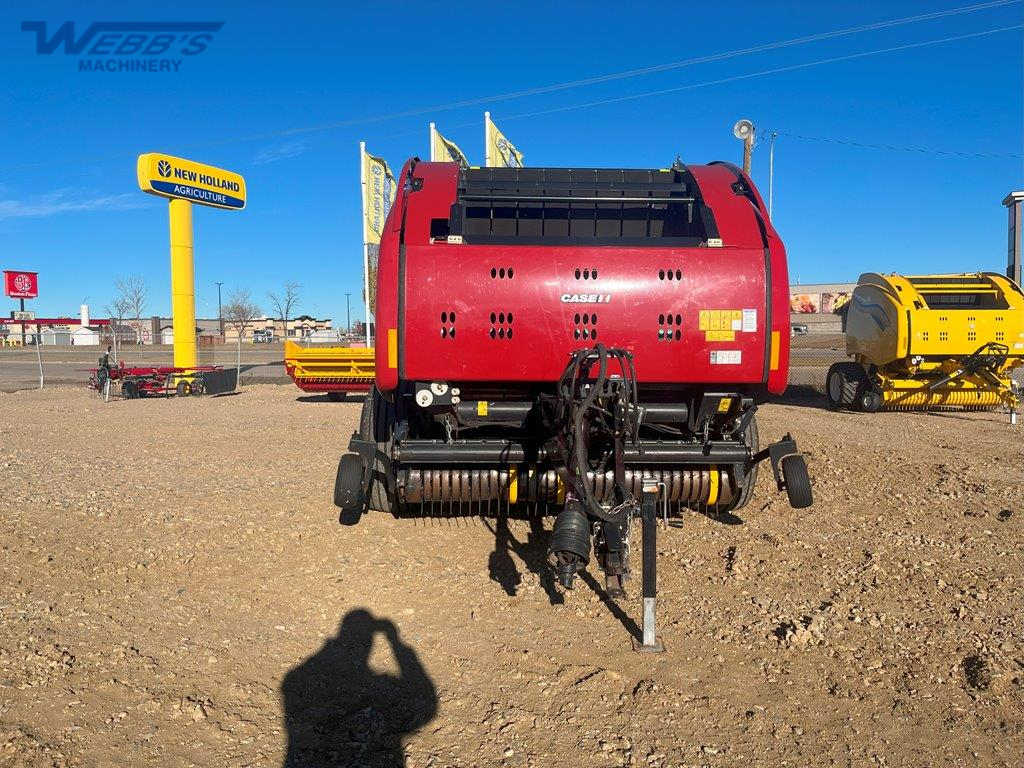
<point x="134" y="294"/>
<point x="239" y="313"/>
<point x="284" y="302"/>
<point x="117" y="310"/>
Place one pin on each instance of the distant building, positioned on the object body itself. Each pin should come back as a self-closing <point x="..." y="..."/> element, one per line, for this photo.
<point x="819" y="306"/>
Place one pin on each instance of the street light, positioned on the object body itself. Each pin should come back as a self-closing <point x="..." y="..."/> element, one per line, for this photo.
<point x="220" y="314"/>
<point x="348" y="313"/>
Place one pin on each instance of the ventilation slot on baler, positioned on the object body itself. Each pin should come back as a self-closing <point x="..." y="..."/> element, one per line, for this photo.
<point x="448" y="325"/>
<point x="669" y="327"/>
<point x="585" y="326"/>
<point x="501" y="273"/>
<point x="501" y="325"/>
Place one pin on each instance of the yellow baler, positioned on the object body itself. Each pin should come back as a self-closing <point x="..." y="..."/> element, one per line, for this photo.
<point x="935" y="341"/>
<point x="334" y="370"/>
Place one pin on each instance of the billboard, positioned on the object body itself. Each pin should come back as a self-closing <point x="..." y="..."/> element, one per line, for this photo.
<point x="817" y="303"/>
<point x="21" y="285"/>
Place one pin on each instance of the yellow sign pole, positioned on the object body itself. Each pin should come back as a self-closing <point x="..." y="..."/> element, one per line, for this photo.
<point x="183" y="284"/>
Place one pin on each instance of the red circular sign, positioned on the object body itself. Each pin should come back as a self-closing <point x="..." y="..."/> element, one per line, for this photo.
<point x="23" y="283"/>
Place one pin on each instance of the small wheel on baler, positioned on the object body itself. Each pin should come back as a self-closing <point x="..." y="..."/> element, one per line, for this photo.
<point x="129" y="389"/>
<point x="183" y="389"/>
<point x="871" y="401"/>
<point x="348" y="489"/>
<point x="336" y="397"/>
<point x="845" y="384"/>
<point x="798" y="481"/>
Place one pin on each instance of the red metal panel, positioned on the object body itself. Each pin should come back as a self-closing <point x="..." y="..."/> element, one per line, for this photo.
<point x="631" y="303"/>
<point x="449" y="287"/>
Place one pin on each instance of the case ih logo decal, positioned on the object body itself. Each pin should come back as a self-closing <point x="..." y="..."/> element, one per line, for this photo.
<point x="126" y="46"/>
<point x="586" y="298"/>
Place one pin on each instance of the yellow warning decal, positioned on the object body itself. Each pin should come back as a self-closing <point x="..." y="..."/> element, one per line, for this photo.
<point x="723" y="404"/>
<point x="722" y="320"/>
<point x="719" y="335"/>
<point x="513" y="485"/>
<point x="481" y="407"/>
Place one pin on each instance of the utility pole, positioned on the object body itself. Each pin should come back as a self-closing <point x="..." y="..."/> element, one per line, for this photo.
<point x="771" y="172"/>
<point x="220" y="313"/>
<point x="348" y="313"/>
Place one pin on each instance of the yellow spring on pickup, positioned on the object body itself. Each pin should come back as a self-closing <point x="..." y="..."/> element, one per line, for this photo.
<point x="972" y="399"/>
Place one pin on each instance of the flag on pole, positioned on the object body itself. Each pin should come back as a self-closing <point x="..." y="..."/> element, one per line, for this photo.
<point x="444" y="151"/>
<point x="499" y="151"/>
<point x="378" y="194"/>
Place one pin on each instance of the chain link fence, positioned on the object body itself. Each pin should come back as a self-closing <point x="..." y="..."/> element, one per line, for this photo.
<point x="812" y="352"/>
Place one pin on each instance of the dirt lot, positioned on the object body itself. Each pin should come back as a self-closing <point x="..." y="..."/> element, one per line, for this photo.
<point x="176" y="592"/>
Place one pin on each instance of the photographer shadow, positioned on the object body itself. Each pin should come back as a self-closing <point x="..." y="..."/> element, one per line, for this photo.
<point x="339" y="712"/>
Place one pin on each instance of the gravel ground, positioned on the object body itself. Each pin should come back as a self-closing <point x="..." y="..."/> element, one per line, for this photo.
<point x="176" y="592"/>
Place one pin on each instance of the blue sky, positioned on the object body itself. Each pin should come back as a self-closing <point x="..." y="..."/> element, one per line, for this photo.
<point x="284" y="94"/>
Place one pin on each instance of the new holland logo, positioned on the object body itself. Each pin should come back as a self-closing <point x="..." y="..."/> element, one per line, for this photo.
<point x="164" y="169"/>
<point x="586" y="298"/>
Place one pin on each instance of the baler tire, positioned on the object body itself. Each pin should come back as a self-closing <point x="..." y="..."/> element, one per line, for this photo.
<point x="798" y="481"/>
<point x="376" y="425"/>
<point x="347" y="489"/>
<point x="872" y="401"/>
<point x="745" y="487"/>
<point x="336" y="397"/>
<point x="845" y="384"/>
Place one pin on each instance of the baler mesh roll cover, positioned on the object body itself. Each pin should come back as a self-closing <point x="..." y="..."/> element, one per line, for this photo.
<point x="580" y="206"/>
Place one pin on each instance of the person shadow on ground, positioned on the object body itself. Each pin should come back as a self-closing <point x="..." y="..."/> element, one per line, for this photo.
<point x="339" y="712"/>
<point x="532" y="553"/>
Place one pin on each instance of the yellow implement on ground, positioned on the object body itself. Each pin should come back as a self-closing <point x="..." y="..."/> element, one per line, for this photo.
<point x="931" y="342"/>
<point x="334" y="370"/>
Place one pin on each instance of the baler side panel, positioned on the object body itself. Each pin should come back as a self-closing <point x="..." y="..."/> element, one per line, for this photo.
<point x="387" y="297"/>
<point x="737" y="216"/>
<point x="875" y="325"/>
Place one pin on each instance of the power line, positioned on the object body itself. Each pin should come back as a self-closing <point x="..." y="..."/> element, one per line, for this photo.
<point x="762" y="73"/>
<point x="922" y="150"/>
<point x="482" y="100"/>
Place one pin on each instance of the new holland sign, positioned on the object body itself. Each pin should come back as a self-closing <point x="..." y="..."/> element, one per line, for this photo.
<point x="175" y="177"/>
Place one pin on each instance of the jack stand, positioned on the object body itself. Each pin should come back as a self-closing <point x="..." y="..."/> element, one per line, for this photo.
<point x="651" y="643"/>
